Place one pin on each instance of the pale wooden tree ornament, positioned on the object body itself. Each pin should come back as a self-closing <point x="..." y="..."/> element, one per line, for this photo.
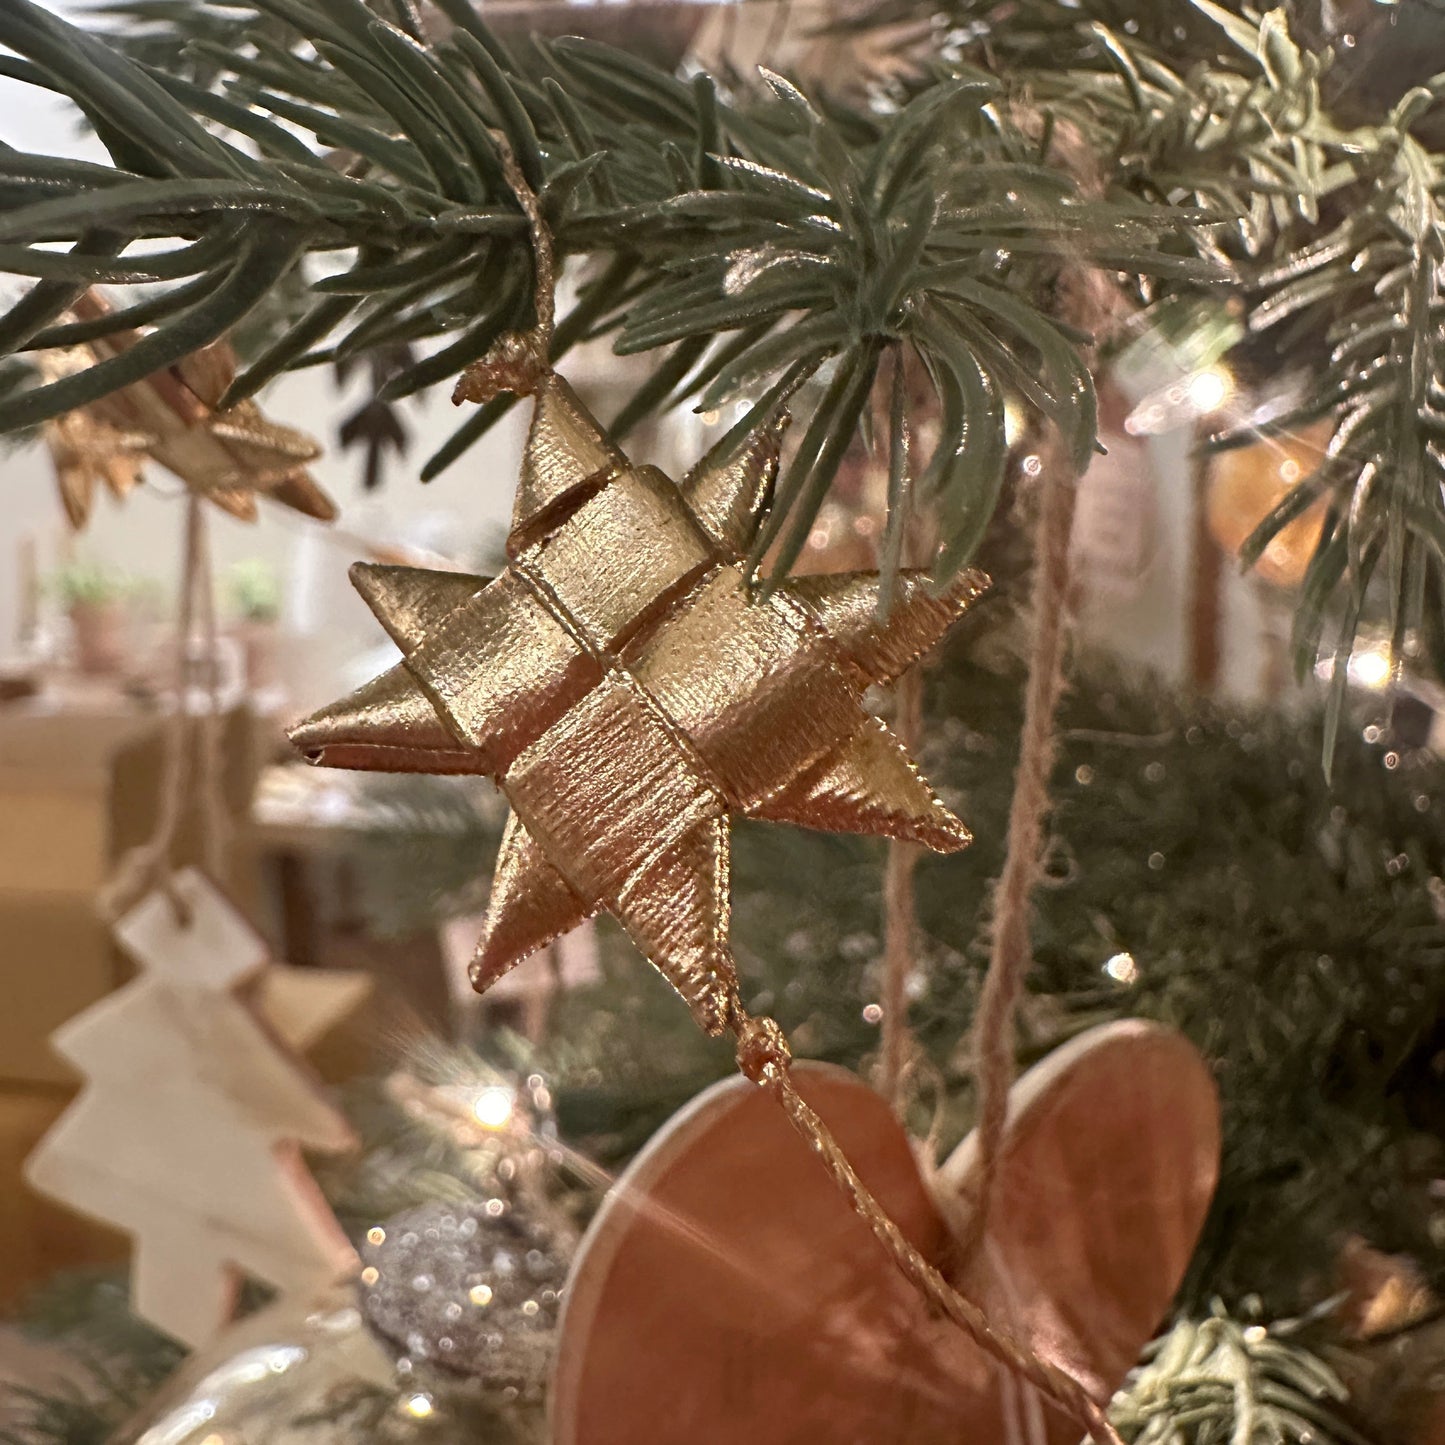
<point x="189" y="1129"/>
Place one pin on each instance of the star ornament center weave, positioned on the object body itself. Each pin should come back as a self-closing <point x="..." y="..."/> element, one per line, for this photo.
<point x="629" y="692"/>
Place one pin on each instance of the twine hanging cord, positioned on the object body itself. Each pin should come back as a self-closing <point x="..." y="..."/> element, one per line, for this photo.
<point x="1091" y="302"/>
<point x="518" y="360"/>
<point x="189" y="739"/>
<point x="1011" y="953"/>
<point x="764" y="1057"/>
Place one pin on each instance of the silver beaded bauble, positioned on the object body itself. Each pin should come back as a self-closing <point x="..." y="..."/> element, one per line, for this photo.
<point x="475" y="1289"/>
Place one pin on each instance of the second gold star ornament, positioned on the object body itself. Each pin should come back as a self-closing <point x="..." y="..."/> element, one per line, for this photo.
<point x="629" y="691"/>
<point x="172" y="417"/>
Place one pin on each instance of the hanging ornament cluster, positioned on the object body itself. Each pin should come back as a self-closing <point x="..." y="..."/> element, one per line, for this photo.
<point x="630" y="690"/>
<point x="172" y="417"/>
<point x="189" y="1130"/>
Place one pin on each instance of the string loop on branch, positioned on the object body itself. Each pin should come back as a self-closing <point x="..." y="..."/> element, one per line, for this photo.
<point x="518" y="360"/>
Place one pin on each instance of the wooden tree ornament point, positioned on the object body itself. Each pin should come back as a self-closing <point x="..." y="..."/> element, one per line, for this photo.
<point x="727" y="1293"/>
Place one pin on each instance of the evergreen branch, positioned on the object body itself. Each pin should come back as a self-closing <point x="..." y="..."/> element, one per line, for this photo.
<point x="1374" y="288"/>
<point x="769" y="235"/>
<point x="1219" y="1379"/>
<point x="811" y="236"/>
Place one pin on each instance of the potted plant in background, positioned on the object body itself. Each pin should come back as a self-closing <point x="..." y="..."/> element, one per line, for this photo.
<point x="255" y="598"/>
<point x="95" y="600"/>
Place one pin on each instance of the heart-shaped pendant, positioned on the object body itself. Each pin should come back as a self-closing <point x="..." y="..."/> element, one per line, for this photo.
<point x="727" y="1293"/>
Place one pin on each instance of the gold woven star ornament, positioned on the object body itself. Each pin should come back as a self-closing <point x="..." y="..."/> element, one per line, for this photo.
<point x="629" y="691"/>
<point x="171" y="417"/>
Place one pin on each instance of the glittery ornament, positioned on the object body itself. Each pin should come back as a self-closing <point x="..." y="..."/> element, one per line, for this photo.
<point x="171" y="417"/>
<point x="629" y="691"/>
<point x="475" y="1289"/>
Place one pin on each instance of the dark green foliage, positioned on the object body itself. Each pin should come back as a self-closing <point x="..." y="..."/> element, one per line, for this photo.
<point x="1294" y="929"/>
<point x="1373" y="290"/>
<point x="425" y="847"/>
<point x="1225" y="1381"/>
<point x="826" y="239"/>
<point x="120" y="1362"/>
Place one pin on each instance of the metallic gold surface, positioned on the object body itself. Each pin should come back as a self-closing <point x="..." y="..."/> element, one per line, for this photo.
<point x="867" y="784"/>
<point x="621" y="555"/>
<point x="727" y="497"/>
<point x="410" y="601"/>
<point x="764" y="705"/>
<point x="627" y="690"/>
<point x="536" y="672"/>
<point x="847" y="605"/>
<point x="565" y="449"/>
<point x="86" y="452"/>
<point x="532" y="903"/>
<point x="171" y="417"/>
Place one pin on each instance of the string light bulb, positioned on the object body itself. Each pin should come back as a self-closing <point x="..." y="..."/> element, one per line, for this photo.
<point x="1122" y="968"/>
<point x="1209" y="389"/>
<point x="493" y="1106"/>
<point x="1371" y="668"/>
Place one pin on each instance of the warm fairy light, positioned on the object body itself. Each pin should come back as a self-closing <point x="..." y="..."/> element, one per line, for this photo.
<point x="1210" y="389"/>
<point x="480" y="1295"/>
<point x="492" y="1108"/>
<point x="1200" y="394"/>
<point x="419" y="1406"/>
<point x="376" y="1235"/>
<point x="1370" y="668"/>
<point x="1122" y="968"/>
<point x="370" y="1274"/>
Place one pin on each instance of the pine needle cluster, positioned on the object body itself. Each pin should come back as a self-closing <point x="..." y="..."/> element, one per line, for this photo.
<point x="775" y="247"/>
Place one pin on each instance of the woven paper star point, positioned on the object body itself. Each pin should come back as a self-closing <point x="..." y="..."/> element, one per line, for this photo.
<point x="630" y="692"/>
<point x="172" y="417"/>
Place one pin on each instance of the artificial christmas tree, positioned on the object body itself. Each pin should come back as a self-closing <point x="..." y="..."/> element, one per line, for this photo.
<point x="940" y="262"/>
